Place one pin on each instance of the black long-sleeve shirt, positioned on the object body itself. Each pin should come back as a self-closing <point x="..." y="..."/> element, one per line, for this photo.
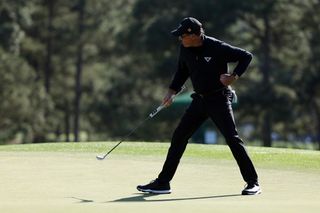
<point x="206" y="63"/>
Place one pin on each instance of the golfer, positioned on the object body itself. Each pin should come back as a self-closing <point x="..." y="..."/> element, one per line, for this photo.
<point x="205" y="60"/>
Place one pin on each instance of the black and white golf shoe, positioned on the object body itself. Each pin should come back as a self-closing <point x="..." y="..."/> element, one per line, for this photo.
<point x="252" y="188"/>
<point x="155" y="187"/>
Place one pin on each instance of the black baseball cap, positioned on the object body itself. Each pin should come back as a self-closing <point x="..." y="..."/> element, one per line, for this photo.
<point x="188" y="25"/>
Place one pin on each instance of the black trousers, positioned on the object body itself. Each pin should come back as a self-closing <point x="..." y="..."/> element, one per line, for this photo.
<point x="217" y="107"/>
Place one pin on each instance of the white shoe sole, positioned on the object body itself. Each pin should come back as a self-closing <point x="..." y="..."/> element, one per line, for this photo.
<point x="252" y="193"/>
<point x="155" y="191"/>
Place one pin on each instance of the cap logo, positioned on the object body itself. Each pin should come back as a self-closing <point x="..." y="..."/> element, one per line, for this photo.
<point x="189" y="30"/>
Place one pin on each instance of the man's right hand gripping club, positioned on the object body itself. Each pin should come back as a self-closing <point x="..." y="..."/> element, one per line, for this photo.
<point x="169" y="98"/>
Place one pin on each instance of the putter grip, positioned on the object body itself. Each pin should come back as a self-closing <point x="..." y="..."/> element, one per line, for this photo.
<point x="152" y="114"/>
<point x="159" y="108"/>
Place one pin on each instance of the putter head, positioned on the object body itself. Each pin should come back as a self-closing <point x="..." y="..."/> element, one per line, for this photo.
<point x="101" y="157"/>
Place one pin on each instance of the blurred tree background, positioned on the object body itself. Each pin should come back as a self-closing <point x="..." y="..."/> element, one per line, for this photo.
<point x="92" y="70"/>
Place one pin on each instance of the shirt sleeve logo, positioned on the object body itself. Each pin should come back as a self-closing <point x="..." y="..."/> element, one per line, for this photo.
<point x="207" y="59"/>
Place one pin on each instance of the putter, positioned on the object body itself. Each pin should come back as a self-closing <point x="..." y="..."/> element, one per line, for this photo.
<point x="151" y="115"/>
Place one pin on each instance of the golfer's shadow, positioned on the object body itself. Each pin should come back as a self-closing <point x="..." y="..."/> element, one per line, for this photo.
<point x="141" y="197"/>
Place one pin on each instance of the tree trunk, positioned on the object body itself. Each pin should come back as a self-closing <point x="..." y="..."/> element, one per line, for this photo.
<point x="266" y="130"/>
<point x="67" y="121"/>
<point x="317" y="118"/>
<point x="79" y="63"/>
<point x="265" y="68"/>
<point x="48" y="66"/>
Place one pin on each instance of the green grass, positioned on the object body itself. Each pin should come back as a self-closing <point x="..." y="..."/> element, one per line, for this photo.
<point x="277" y="158"/>
<point x="66" y="177"/>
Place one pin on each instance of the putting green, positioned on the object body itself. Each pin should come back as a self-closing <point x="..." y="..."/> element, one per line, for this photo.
<point x="77" y="182"/>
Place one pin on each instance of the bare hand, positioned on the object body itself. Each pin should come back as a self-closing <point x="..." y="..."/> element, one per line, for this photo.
<point x="227" y="79"/>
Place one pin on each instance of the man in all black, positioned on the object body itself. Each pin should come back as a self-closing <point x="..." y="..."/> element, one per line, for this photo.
<point x="205" y="60"/>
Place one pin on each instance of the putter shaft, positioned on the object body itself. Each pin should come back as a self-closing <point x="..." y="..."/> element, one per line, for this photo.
<point x="151" y="115"/>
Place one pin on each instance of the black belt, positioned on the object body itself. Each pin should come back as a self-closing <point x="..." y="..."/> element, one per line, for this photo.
<point x="215" y="92"/>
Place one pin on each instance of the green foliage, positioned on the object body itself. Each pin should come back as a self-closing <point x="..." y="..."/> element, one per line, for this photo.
<point x="129" y="58"/>
<point x="22" y="99"/>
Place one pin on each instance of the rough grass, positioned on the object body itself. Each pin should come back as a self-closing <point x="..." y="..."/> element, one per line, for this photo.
<point x="266" y="157"/>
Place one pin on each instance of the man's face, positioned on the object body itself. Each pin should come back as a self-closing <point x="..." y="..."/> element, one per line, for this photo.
<point x="190" y="40"/>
